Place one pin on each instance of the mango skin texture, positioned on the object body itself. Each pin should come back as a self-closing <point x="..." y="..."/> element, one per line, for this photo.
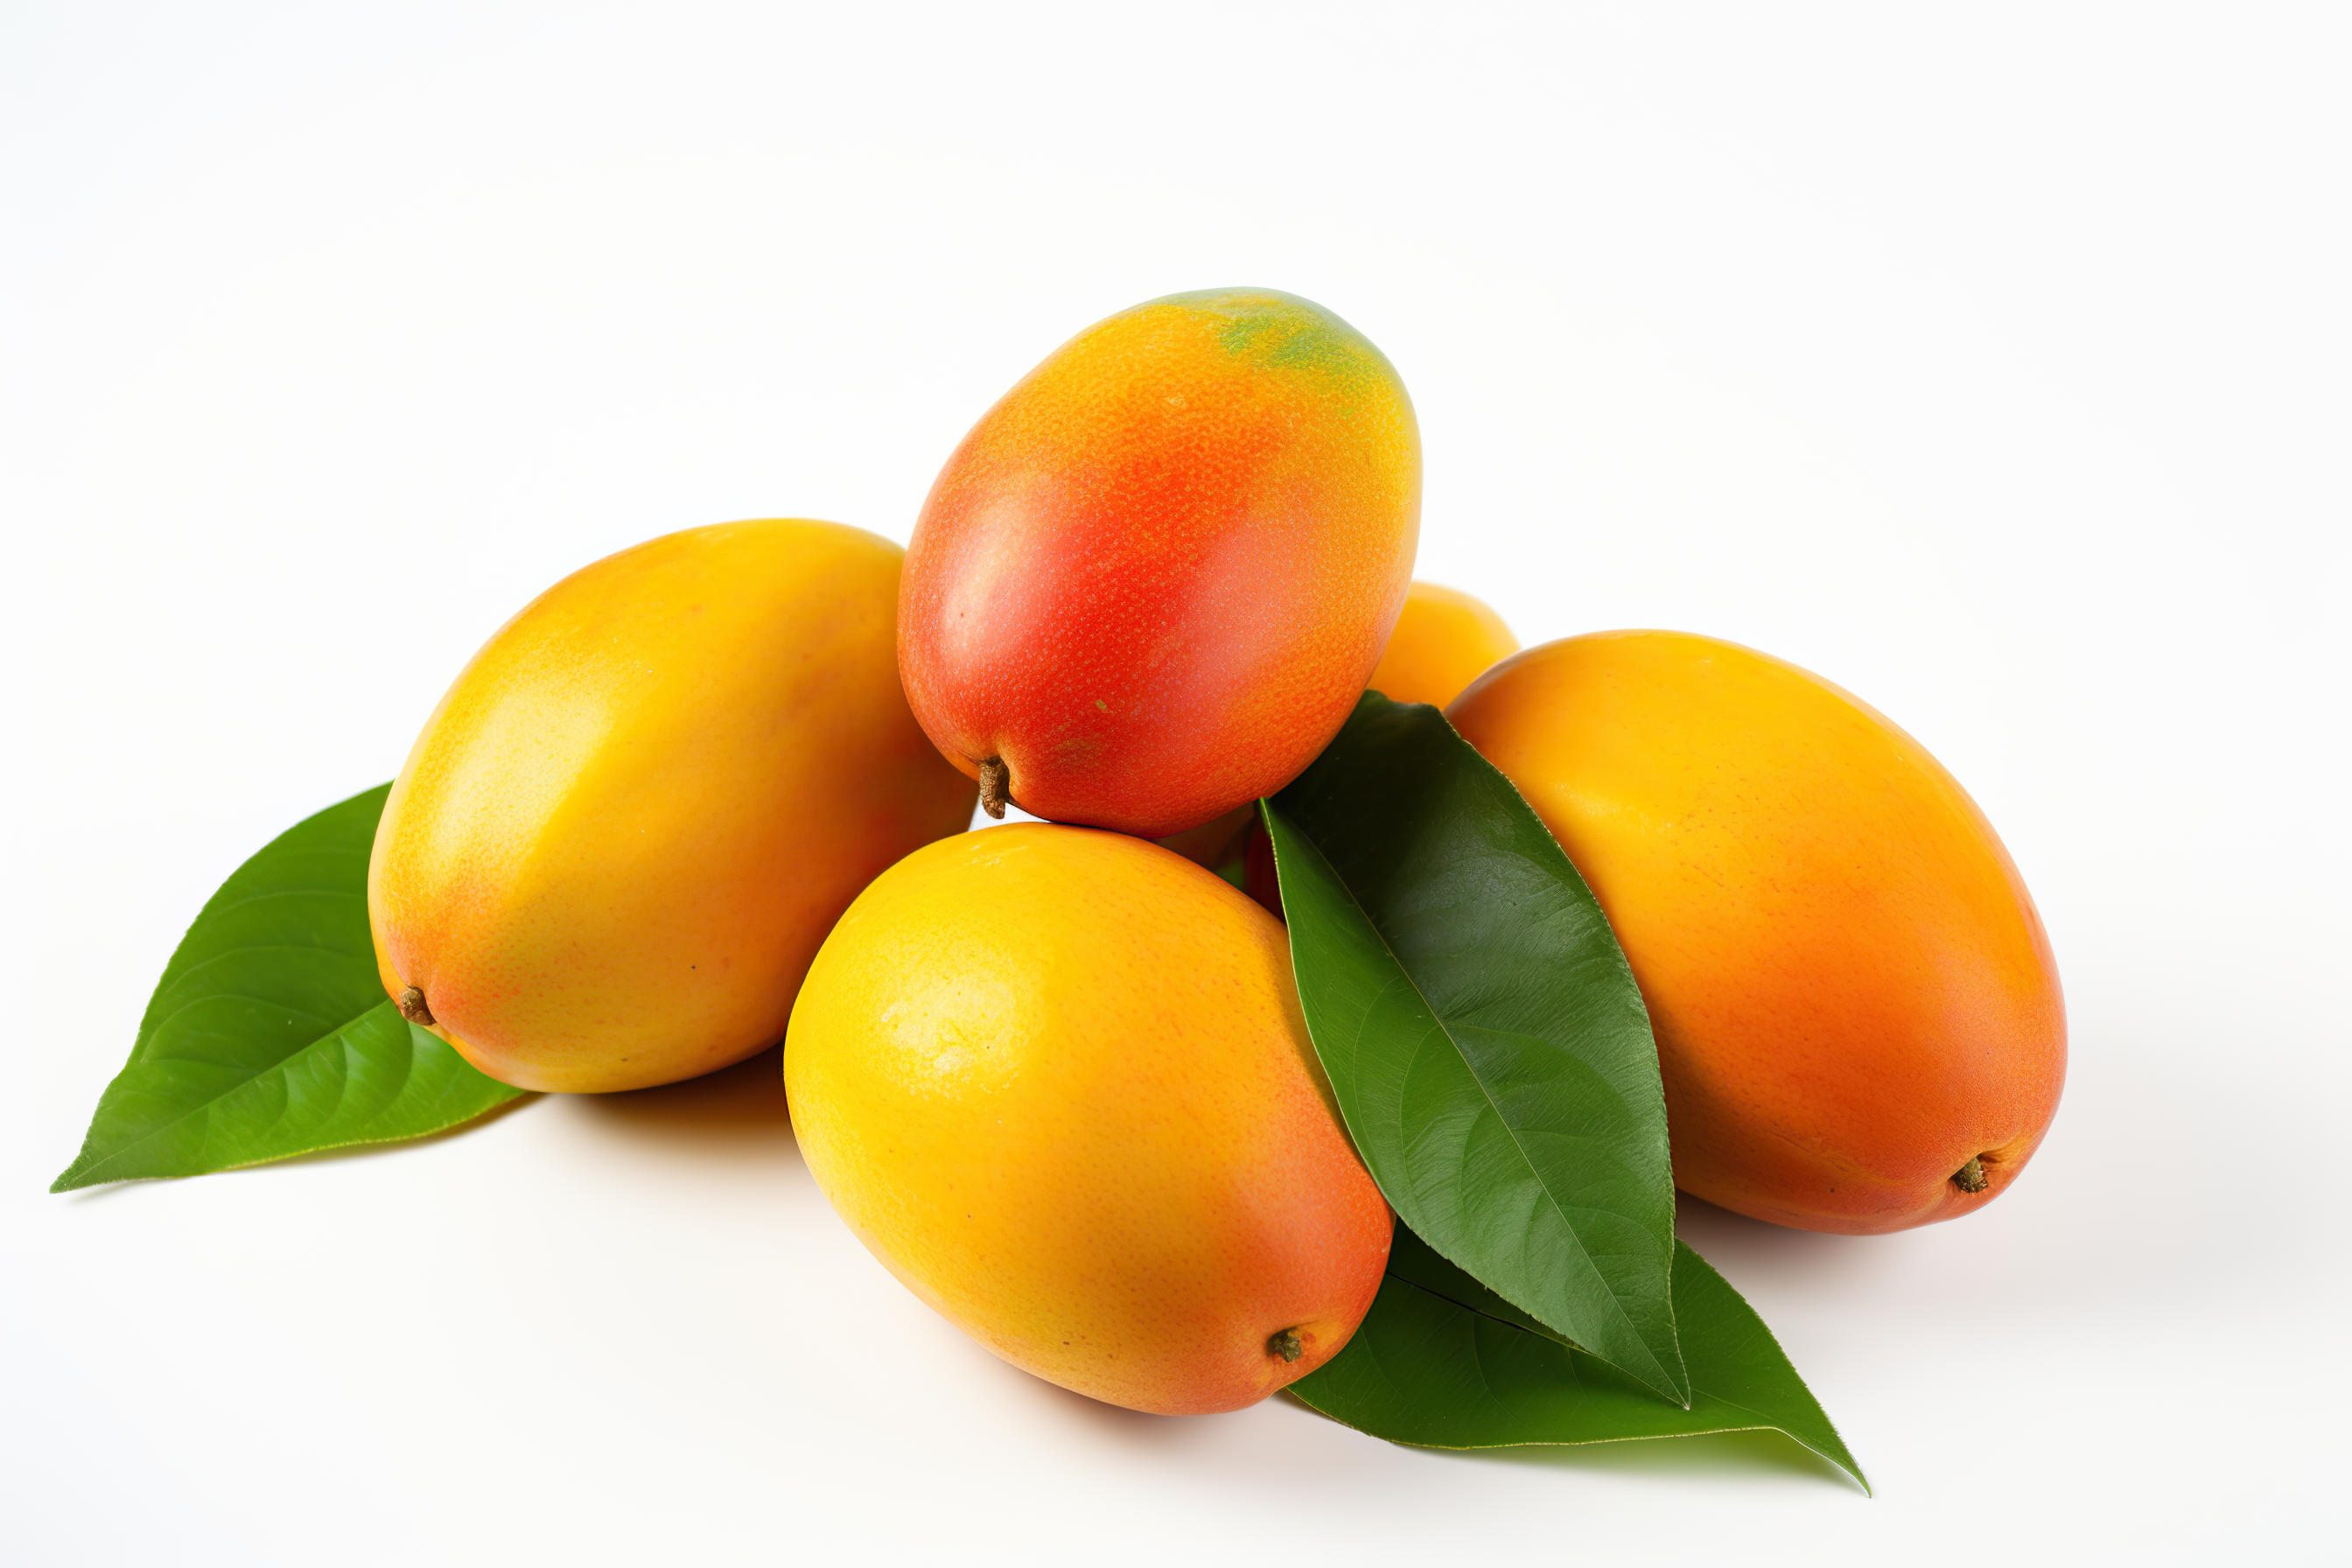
<point x="1154" y="577"/>
<point x="1058" y="1082"/>
<point x="1850" y="988"/>
<point x="1444" y="640"/>
<point x="629" y="825"/>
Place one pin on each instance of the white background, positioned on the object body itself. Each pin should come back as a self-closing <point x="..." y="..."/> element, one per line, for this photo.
<point x="1991" y="361"/>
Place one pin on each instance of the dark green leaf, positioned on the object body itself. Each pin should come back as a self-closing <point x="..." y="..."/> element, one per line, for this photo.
<point x="1444" y="1362"/>
<point x="1483" y="1033"/>
<point x="270" y="1033"/>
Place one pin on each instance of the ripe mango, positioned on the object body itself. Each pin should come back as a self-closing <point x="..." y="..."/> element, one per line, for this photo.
<point x="1149" y="584"/>
<point x="1444" y="640"/>
<point x="1058" y="1082"/>
<point x="629" y="825"/>
<point x="1857" y="1012"/>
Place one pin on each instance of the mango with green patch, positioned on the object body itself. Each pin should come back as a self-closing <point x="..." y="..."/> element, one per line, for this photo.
<point x="1149" y="584"/>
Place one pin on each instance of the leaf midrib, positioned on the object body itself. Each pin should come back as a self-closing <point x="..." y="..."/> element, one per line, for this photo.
<point x="342" y="1093"/>
<point x="1551" y="1197"/>
<point x="1761" y="1421"/>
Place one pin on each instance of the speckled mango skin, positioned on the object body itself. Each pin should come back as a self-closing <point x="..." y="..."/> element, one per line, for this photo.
<point x="1850" y="988"/>
<point x="1058" y="1081"/>
<point x="630" y="822"/>
<point x="1153" y="578"/>
<point x="1444" y="640"/>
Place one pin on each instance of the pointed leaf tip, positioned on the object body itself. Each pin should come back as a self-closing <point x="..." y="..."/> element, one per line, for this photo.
<point x="270" y="1035"/>
<point x="1441" y="1361"/>
<point x="1485" y="1040"/>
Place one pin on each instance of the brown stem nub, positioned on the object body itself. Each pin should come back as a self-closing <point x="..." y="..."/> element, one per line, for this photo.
<point x="411" y="1003"/>
<point x="1971" y="1177"/>
<point x="995" y="785"/>
<point x="1286" y="1345"/>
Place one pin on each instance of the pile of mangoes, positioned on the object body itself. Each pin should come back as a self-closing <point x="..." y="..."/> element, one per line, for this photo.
<point x="714" y="790"/>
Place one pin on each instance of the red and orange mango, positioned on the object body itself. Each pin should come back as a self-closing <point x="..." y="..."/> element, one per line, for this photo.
<point x="1149" y="584"/>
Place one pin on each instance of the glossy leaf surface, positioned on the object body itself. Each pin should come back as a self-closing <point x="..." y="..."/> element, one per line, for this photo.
<point x="1443" y="1363"/>
<point x="1490" y="1052"/>
<point x="270" y="1033"/>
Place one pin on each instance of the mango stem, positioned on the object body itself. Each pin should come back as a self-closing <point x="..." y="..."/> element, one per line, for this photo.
<point x="1286" y="1345"/>
<point x="1971" y="1177"/>
<point x="412" y="1006"/>
<point x="995" y="784"/>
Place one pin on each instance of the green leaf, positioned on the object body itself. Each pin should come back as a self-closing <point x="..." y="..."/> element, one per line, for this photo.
<point x="1483" y="1036"/>
<point x="1443" y="1363"/>
<point x="270" y="1033"/>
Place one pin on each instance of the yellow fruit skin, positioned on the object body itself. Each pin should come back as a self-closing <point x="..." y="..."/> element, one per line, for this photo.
<point x="1444" y="640"/>
<point x="1056" y="1080"/>
<point x="629" y="825"/>
<point x="1851" y="989"/>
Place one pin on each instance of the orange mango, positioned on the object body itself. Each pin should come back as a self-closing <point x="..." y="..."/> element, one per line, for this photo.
<point x="627" y="827"/>
<point x="1149" y="584"/>
<point x="1857" y="1013"/>
<point x="1058" y="1082"/>
<point x="1444" y="640"/>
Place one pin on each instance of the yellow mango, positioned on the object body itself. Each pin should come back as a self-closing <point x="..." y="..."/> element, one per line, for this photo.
<point x="1058" y="1081"/>
<point x="628" y="826"/>
<point x="1444" y="640"/>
